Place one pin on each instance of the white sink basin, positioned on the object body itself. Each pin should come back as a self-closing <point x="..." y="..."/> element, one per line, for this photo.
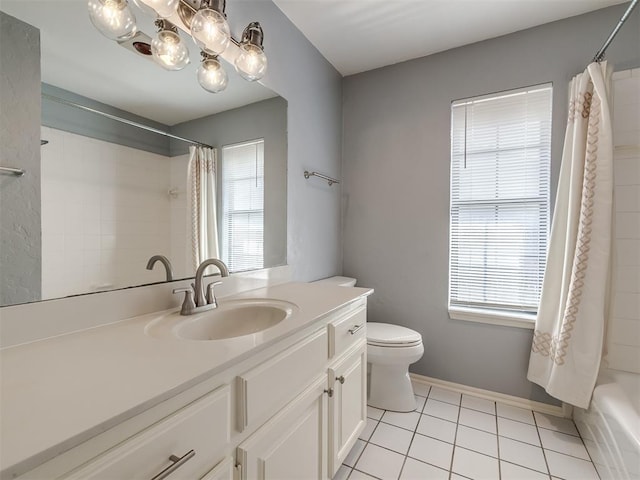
<point x="233" y="318"/>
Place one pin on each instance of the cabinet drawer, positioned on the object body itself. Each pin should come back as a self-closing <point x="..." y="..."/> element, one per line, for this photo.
<point x="203" y="426"/>
<point x="346" y="330"/>
<point x="267" y="388"/>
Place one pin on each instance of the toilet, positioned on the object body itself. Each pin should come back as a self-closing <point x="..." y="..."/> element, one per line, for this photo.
<point x="390" y="351"/>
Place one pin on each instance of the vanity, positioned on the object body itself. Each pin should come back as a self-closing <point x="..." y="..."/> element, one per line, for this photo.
<point x="132" y="400"/>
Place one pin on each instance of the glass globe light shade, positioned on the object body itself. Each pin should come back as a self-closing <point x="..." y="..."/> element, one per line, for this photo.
<point x="158" y="8"/>
<point x="212" y="76"/>
<point x="251" y="63"/>
<point x="169" y="50"/>
<point x="113" y="18"/>
<point x="210" y="31"/>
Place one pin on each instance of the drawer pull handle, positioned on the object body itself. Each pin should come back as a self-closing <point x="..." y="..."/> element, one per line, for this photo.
<point x="177" y="463"/>
<point x="340" y="379"/>
<point x="355" y="328"/>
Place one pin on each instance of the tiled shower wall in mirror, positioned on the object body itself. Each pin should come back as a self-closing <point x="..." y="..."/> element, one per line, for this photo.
<point x="106" y="209"/>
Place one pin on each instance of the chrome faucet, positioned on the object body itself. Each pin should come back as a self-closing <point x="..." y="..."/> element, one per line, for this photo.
<point x="165" y="261"/>
<point x="195" y="300"/>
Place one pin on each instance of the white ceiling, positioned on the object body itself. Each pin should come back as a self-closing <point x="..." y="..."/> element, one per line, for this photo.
<point x="360" y="35"/>
<point x="76" y="57"/>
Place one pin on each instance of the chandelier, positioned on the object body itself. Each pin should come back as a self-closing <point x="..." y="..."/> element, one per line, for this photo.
<point x="207" y="23"/>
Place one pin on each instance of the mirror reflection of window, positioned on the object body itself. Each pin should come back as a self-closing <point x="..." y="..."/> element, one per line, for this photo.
<point x="242" y="226"/>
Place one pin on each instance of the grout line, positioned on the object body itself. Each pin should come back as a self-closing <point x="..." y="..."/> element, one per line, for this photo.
<point x="495" y="407"/>
<point x="585" y="447"/>
<point x="455" y="437"/>
<point x="544" y="454"/>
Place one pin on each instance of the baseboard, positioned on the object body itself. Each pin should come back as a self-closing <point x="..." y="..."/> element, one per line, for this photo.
<point x="557" y="411"/>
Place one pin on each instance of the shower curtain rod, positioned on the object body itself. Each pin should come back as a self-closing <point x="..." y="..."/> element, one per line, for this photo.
<point x="123" y="120"/>
<point x="600" y="55"/>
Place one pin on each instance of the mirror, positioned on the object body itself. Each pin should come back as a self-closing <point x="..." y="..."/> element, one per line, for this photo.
<point x="108" y="195"/>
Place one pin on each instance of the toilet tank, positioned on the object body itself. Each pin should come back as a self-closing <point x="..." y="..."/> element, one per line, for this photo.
<point x="340" y="281"/>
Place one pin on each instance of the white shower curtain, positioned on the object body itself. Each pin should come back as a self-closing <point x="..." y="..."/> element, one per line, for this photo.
<point x="568" y="337"/>
<point x="202" y="204"/>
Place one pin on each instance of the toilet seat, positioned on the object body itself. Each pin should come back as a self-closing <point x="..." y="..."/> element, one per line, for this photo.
<point x="391" y="336"/>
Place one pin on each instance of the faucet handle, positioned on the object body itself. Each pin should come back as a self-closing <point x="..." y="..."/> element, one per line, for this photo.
<point x="211" y="296"/>
<point x="188" y="305"/>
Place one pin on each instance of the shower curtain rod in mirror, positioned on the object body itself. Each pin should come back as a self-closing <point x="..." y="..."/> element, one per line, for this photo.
<point x="600" y="55"/>
<point x="123" y="120"/>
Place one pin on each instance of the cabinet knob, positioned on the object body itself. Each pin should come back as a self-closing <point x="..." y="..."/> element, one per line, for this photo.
<point x="328" y="392"/>
<point x="177" y="463"/>
<point x="340" y="379"/>
<point x="355" y="328"/>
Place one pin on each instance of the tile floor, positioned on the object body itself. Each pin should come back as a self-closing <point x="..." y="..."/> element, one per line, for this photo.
<point x="454" y="436"/>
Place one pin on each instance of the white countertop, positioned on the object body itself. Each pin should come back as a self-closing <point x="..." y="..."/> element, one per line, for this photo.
<point x="58" y="392"/>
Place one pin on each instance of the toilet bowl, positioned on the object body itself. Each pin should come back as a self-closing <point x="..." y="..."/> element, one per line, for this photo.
<point x="390" y="351"/>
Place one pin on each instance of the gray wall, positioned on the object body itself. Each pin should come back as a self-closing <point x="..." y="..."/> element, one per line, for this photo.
<point x="396" y="193"/>
<point x="313" y="89"/>
<point x="74" y="120"/>
<point x="266" y="119"/>
<point x="20" y="234"/>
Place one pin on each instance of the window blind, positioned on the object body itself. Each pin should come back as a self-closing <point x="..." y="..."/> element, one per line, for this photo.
<point x="500" y="162"/>
<point x="242" y="232"/>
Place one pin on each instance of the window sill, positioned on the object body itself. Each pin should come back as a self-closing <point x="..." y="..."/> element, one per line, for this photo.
<point x="493" y="317"/>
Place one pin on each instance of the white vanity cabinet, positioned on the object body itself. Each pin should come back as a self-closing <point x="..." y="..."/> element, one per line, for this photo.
<point x="292" y="410"/>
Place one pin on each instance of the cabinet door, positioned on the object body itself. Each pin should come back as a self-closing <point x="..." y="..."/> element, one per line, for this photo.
<point x="292" y="445"/>
<point x="348" y="405"/>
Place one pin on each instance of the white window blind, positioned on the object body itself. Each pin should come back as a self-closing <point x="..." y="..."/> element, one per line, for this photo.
<point x="500" y="161"/>
<point x="242" y="232"/>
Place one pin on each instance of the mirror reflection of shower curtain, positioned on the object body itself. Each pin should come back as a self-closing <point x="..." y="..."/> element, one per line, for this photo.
<point x="202" y="203"/>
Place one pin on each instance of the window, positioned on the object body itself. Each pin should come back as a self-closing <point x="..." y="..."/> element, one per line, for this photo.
<point x="500" y="159"/>
<point x="242" y="232"/>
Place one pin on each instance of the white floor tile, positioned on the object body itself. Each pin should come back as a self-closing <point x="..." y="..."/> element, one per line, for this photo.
<point x="342" y="473"/>
<point x="437" y="428"/>
<point x="420" y="401"/>
<point x="380" y="462"/>
<point x="515" y="413"/>
<point x="421" y="389"/>
<point x="563" y="443"/>
<point x="509" y="471"/>
<point x="518" y="431"/>
<point x="475" y="465"/>
<point x="444" y="395"/>
<point x="431" y="451"/>
<point x="457" y="477"/>
<point x="440" y="409"/>
<point x="523" y="454"/>
<point x="479" y="420"/>
<point x="355" y="452"/>
<point x="368" y="429"/>
<point x="570" y="468"/>
<point x="480" y="404"/>
<point x="391" y="437"/>
<point x="477" y="440"/>
<point x="356" y="475"/>
<point x="407" y="420"/>
<point x="415" y="470"/>
<point x="559" y="424"/>
<point x="375" y="413"/>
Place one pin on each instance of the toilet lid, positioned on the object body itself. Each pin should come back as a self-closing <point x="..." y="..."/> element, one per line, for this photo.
<point x="386" y="334"/>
